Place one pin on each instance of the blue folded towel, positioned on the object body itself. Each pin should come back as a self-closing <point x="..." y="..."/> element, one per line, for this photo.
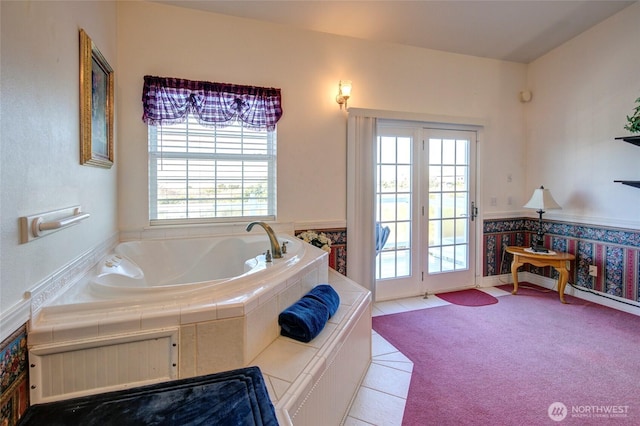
<point x="303" y="320"/>
<point x="327" y="295"/>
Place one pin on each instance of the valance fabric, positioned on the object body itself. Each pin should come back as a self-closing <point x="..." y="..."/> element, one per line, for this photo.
<point x="169" y="100"/>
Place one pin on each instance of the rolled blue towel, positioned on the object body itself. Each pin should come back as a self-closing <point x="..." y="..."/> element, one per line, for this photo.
<point x="303" y="320"/>
<point x="326" y="294"/>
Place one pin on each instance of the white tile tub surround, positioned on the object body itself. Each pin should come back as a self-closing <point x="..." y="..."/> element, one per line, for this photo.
<point x="315" y="383"/>
<point x="219" y="328"/>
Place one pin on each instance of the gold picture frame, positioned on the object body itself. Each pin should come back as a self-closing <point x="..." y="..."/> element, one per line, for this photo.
<point x="96" y="106"/>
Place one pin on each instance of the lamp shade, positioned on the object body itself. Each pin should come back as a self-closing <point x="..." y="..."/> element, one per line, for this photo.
<point x="542" y="200"/>
<point x="345" y="88"/>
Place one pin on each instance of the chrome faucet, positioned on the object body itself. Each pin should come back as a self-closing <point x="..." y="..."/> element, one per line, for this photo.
<point x="275" y="246"/>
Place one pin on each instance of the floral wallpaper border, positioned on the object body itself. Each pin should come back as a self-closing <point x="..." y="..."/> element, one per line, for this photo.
<point x="615" y="251"/>
<point x="338" y="255"/>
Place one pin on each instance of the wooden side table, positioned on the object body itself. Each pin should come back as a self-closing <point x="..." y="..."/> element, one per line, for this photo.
<point x="558" y="260"/>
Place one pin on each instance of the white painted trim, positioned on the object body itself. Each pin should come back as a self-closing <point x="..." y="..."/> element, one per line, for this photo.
<point x="421" y="117"/>
<point x="330" y="224"/>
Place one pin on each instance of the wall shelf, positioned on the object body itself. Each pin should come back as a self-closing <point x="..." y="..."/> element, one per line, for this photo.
<point x="636" y="141"/>
<point x="631" y="139"/>
<point x="634" y="183"/>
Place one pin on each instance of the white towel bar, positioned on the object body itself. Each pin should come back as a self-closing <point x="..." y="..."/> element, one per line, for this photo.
<point x="42" y="224"/>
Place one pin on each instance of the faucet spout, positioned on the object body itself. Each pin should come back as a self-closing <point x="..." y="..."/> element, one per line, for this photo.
<point x="273" y="240"/>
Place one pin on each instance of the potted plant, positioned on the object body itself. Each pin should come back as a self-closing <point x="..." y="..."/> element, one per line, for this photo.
<point x="633" y="121"/>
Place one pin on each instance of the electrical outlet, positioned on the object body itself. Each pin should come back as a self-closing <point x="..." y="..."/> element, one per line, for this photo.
<point x="593" y="270"/>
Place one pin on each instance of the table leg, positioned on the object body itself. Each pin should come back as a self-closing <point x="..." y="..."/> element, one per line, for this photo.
<point x="562" y="281"/>
<point x="515" y="264"/>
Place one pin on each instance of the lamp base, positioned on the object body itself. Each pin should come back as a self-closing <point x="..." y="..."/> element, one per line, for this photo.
<point x="539" y="249"/>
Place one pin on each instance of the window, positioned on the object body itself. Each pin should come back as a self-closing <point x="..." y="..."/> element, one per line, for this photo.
<point x="212" y="150"/>
<point x="211" y="173"/>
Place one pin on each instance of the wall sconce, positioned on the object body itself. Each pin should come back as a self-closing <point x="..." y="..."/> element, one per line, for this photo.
<point x="344" y="93"/>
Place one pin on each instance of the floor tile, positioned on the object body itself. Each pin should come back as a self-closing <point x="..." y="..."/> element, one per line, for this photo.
<point x="378" y="408"/>
<point x="381" y="398"/>
<point x="380" y="346"/>
<point x="350" y="421"/>
<point x="388" y="380"/>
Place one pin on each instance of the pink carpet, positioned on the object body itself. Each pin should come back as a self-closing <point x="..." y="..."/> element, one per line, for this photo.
<point x="470" y="297"/>
<point x="507" y="363"/>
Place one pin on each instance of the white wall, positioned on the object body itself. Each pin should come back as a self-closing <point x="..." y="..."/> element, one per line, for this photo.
<point x="39" y="162"/>
<point x="173" y="42"/>
<point x="582" y="92"/>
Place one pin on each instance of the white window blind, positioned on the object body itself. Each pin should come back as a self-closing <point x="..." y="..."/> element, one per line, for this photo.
<point x="210" y="174"/>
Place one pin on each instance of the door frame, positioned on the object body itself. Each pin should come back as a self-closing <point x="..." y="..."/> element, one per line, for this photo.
<point x="361" y="138"/>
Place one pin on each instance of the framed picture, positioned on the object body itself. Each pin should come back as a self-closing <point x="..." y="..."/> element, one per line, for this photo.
<point x="96" y="106"/>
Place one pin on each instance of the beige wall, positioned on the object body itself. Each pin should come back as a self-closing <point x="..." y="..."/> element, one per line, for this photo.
<point x="39" y="160"/>
<point x="582" y="92"/>
<point x="168" y="41"/>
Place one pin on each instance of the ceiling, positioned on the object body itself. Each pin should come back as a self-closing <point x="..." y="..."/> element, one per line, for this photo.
<point x="518" y="31"/>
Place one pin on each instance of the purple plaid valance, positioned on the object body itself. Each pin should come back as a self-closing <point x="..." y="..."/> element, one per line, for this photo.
<point x="169" y="100"/>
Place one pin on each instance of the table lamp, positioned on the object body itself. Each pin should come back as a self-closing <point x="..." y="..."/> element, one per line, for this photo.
<point x="541" y="200"/>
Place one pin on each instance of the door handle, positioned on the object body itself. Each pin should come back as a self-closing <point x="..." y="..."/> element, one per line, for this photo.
<point x="474" y="211"/>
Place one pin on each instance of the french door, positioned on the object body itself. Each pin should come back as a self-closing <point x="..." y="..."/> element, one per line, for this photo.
<point x="425" y="181"/>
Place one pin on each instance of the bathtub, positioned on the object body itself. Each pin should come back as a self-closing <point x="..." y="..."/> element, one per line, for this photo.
<point x="151" y="311"/>
<point x="160" y="268"/>
<point x="192" y="306"/>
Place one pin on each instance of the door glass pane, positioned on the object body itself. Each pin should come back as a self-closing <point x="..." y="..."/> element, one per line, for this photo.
<point x="434" y="259"/>
<point x="388" y="179"/>
<point x="386" y="265"/>
<point x="404" y="263"/>
<point x="435" y="206"/>
<point x="435" y="178"/>
<point x="462" y="200"/>
<point x="394" y="209"/>
<point x="387" y="207"/>
<point x="404" y="151"/>
<point x="435" y="152"/>
<point x="435" y="238"/>
<point x="448" y="151"/>
<point x="462" y="153"/>
<point x="461" y="256"/>
<point x="448" y="259"/>
<point x="461" y="231"/>
<point x="461" y="178"/>
<point x="448" y="204"/>
<point x="448" y="232"/>
<point x="387" y="151"/>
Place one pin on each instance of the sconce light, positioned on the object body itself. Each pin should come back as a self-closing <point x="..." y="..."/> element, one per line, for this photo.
<point x="344" y="93"/>
<point x="541" y="200"/>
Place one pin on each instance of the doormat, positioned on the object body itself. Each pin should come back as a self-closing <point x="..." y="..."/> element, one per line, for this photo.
<point x="470" y="297"/>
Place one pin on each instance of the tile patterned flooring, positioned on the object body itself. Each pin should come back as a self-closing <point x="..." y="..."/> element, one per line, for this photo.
<point x="382" y="396"/>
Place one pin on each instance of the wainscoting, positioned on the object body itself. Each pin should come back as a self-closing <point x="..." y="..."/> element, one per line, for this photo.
<point x="615" y="252"/>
